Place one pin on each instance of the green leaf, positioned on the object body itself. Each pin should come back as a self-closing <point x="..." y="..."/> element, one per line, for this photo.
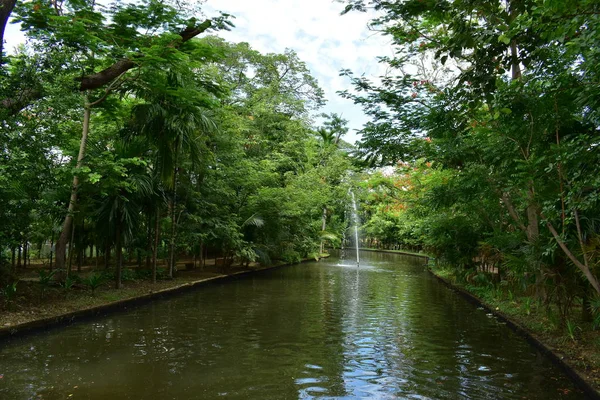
<point x="504" y="39"/>
<point x="94" y="177"/>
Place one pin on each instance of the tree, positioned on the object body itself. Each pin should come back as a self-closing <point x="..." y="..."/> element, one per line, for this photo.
<point x="95" y="44"/>
<point x="175" y="121"/>
<point x="522" y="95"/>
<point x="159" y="137"/>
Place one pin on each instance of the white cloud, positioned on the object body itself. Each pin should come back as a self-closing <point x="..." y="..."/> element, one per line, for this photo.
<point x="323" y="38"/>
<point x="13" y="37"/>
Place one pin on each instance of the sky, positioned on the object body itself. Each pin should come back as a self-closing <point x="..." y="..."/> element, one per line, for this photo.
<point x="324" y="39"/>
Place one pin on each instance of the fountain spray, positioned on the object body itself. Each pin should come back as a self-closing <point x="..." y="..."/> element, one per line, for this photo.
<point x="355" y="218"/>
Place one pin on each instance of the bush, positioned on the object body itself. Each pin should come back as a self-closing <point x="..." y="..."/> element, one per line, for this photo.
<point x="95" y="281"/>
<point x="143" y="274"/>
<point x="68" y="283"/>
<point x="128" y="275"/>
<point x="6" y="275"/>
<point x="263" y="257"/>
<point x="46" y="277"/>
<point x="45" y="280"/>
<point x="10" y="293"/>
<point x="291" y="256"/>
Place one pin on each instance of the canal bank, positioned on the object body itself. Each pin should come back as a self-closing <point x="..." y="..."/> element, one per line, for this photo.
<point x="69" y="310"/>
<point x="401" y="252"/>
<point x="385" y="330"/>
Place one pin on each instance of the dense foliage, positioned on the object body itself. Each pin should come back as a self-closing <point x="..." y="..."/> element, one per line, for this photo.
<point x="128" y="132"/>
<point x="492" y="109"/>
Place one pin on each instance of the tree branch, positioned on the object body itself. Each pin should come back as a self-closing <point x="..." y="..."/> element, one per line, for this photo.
<point x="583" y="268"/>
<point x="93" y="81"/>
<point x="512" y="212"/>
<point x="107" y="75"/>
<point x="114" y="85"/>
<point x="99" y="79"/>
<point x="23" y="99"/>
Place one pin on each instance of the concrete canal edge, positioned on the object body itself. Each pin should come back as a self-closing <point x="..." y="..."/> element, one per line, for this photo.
<point x="399" y="252"/>
<point x="580" y="381"/>
<point x="65" y="319"/>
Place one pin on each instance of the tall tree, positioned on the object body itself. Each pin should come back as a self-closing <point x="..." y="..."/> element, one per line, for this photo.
<point x="517" y="100"/>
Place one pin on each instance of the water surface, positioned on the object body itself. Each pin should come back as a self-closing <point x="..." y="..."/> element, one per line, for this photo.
<point x="318" y="330"/>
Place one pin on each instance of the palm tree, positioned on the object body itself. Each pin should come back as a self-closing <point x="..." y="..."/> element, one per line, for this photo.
<point x="331" y="133"/>
<point x="175" y="120"/>
<point x="333" y="128"/>
<point x="122" y="204"/>
<point x="126" y="187"/>
<point x="151" y="207"/>
<point x="327" y="136"/>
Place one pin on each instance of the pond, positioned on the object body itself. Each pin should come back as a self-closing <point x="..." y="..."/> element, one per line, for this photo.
<point x="323" y="329"/>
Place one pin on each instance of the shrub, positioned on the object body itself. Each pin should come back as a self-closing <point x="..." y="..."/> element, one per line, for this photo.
<point x="45" y="280"/>
<point x="10" y="293"/>
<point x="68" y="283"/>
<point x="291" y="256"/>
<point x="46" y="277"/>
<point x="94" y="281"/>
<point x="128" y="275"/>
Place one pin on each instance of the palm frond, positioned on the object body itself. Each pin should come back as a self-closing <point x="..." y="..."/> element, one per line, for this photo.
<point x="254" y="220"/>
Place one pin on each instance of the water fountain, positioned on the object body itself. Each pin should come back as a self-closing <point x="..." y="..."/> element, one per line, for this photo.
<point x="355" y="219"/>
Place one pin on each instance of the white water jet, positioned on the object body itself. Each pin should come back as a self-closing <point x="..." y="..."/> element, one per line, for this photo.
<point x="355" y="218"/>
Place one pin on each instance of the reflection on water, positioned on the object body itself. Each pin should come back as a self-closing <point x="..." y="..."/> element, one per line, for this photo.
<point x="328" y="330"/>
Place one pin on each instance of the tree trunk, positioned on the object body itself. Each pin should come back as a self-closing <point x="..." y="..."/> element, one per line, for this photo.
<point x="156" y="240"/>
<point x="19" y="256"/>
<point x="586" y="315"/>
<point x="149" y="242"/>
<point x="583" y="267"/>
<point x="51" y="250"/>
<point x="201" y="261"/>
<point x="71" y="249"/>
<point x="106" y="255"/>
<point x="25" y="252"/>
<point x="514" y="51"/>
<point x="118" y="253"/>
<point x="173" y="223"/>
<point x="533" y="230"/>
<point x="61" y="244"/>
<point x="80" y="255"/>
<point x="40" y="249"/>
<point x="6" y="7"/>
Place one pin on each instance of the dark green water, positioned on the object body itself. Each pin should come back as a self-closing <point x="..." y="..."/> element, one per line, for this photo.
<point x="387" y="330"/>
